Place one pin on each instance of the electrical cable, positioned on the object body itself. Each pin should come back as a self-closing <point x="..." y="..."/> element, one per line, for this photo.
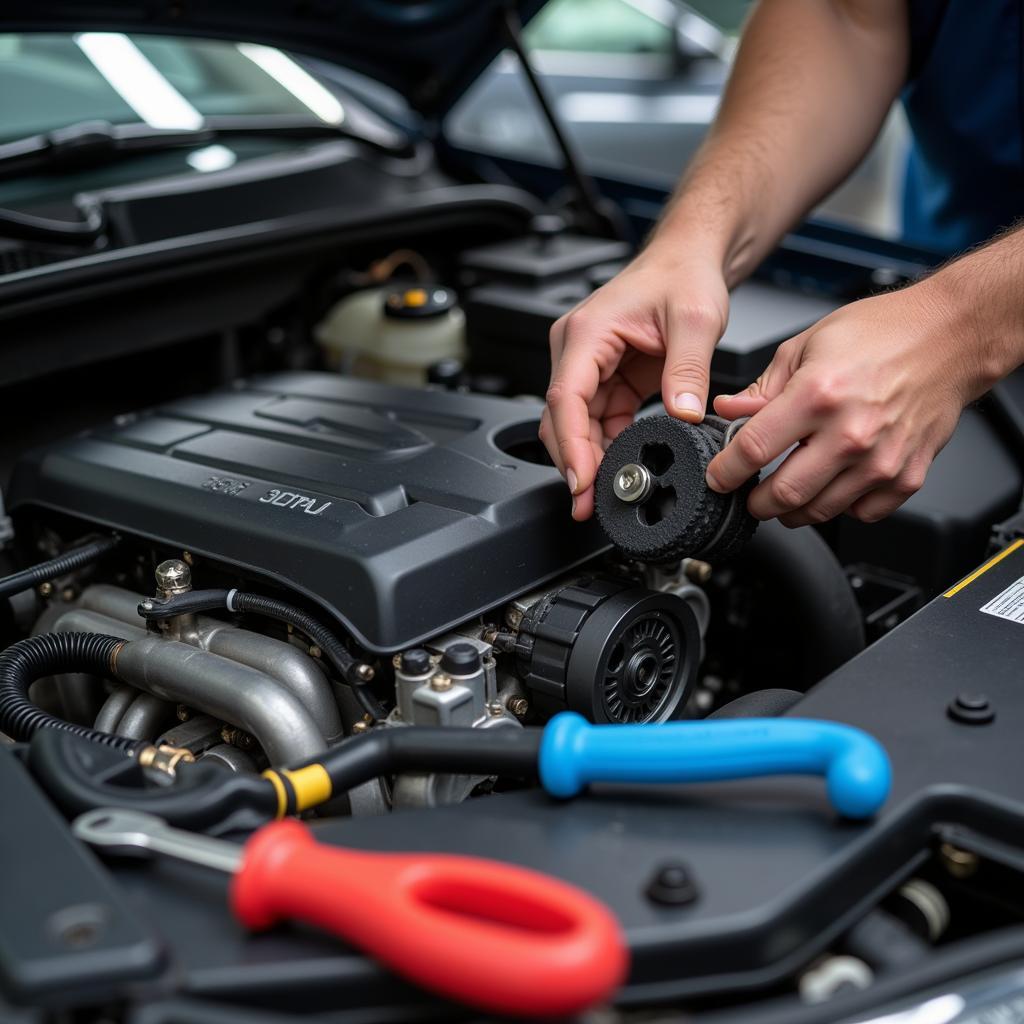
<point x="26" y="579"/>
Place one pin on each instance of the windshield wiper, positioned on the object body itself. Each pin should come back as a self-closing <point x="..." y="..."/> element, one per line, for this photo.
<point x="93" y="143"/>
<point x="90" y="143"/>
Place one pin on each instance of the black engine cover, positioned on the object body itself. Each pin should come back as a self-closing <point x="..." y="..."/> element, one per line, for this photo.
<point x="402" y="512"/>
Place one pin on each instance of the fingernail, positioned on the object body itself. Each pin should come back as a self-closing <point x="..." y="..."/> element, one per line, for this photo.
<point x="686" y="402"/>
<point x="574" y="505"/>
<point x="572" y="481"/>
<point x="727" y="396"/>
<point x="713" y="483"/>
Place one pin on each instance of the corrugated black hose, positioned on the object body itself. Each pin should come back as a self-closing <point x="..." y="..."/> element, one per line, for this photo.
<point x="59" y="566"/>
<point x="52" y="654"/>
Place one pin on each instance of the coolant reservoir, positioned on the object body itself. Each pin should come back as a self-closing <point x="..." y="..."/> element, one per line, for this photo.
<point x="394" y="334"/>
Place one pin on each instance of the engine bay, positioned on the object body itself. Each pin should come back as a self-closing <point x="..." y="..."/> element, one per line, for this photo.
<point x="333" y="530"/>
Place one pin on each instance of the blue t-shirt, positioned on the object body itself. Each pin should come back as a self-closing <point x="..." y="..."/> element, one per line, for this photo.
<point x="965" y="173"/>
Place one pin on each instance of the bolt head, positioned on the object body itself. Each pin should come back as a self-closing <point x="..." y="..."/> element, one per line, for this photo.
<point x="518" y="706"/>
<point x="632" y="483"/>
<point x="440" y="682"/>
<point x="173" y="576"/>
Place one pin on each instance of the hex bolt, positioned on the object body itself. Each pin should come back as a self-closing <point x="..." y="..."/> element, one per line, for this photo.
<point x="315" y="652"/>
<point x="173" y="577"/>
<point x="632" y="483"/>
<point x="440" y="682"/>
<point x="365" y="673"/>
<point x="495" y="708"/>
<point x="45" y="589"/>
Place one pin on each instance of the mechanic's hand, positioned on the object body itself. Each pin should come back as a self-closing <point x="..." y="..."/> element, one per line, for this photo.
<point x="871" y="393"/>
<point x="655" y="324"/>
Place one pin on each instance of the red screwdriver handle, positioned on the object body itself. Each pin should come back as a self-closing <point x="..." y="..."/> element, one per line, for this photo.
<point x="452" y="924"/>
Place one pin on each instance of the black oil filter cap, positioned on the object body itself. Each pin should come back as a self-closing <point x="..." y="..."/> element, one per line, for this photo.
<point x="652" y="499"/>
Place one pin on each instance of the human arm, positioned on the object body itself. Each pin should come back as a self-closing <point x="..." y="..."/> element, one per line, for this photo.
<point x="812" y="82"/>
<point x="873" y="391"/>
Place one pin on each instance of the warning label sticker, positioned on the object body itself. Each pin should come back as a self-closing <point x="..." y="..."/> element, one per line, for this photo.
<point x="1009" y="604"/>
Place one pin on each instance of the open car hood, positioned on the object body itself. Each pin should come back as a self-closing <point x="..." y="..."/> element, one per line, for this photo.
<point x="428" y="50"/>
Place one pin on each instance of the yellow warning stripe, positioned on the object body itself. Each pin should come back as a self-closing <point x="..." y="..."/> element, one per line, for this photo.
<point x="967" y="580"/>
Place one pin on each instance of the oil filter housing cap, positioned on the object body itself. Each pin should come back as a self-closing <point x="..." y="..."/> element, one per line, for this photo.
<point x="653" y="502"/>
<point x="610" y="650"/>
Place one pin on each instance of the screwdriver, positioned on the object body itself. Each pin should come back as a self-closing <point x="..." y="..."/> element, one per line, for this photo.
<point x="408" y="911"/>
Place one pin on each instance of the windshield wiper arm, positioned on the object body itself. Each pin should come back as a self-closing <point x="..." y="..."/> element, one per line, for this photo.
<point x="88" y="143"/>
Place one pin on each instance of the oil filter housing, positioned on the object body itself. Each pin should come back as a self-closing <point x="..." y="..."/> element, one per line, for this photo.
<point x="652" y="500"/>
<point x="610" y="650"/>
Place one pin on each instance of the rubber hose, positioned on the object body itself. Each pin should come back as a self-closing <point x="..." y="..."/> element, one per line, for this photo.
<point x="53" y="654"/>
<point x="807" y="576"/>
<point x="205" y="796"/>
<point x="505" y="752"/>
<point x="59" y="566"/>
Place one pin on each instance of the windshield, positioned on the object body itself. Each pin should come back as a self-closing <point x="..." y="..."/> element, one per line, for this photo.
<point x="49" y="81"/>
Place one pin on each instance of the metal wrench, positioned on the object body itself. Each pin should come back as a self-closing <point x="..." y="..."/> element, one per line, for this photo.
<point x="408" y="910"/>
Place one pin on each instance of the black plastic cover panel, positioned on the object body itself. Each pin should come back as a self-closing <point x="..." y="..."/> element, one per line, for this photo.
<point x="402" y="512"/>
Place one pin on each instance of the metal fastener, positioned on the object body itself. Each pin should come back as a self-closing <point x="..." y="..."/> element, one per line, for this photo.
<point x="959" y="863"/>
<point x="518" y="706"/>
<point x="495" y="708"/>
<point x="440" y="682"/>
<point x="696" y="570"/>
<point x="315" y="652"/>
<point x="632" y="483"/>
<point x="173" y="577"/>
<point x="365" y="673"/>
<point x="45" y="589"/>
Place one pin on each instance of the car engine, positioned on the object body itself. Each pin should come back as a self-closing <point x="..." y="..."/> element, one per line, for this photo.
<point x="339" y="581"/>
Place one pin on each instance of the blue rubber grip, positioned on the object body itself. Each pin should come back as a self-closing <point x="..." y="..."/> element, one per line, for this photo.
<point x="855" y="766"/>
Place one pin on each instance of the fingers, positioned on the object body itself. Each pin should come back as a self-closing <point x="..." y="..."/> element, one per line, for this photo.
<point x="868" y="490"/>
<point x="804" y="474"/>
<point x="546" y="434"/>
<point x="690" y="339"/>
<point x="768" y="386"/>
<point x="779" y="425"/>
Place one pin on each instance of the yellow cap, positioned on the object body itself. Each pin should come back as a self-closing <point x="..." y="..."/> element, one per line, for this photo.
<point x="415" y="297"/>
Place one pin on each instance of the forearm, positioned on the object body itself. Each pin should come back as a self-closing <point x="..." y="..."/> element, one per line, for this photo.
<point x="977" y="300"/>
<point x="811" y="86"/>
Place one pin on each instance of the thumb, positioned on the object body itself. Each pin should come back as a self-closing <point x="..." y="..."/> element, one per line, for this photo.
<point x="689" y="344"/>
<point x="769" y="385"/>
